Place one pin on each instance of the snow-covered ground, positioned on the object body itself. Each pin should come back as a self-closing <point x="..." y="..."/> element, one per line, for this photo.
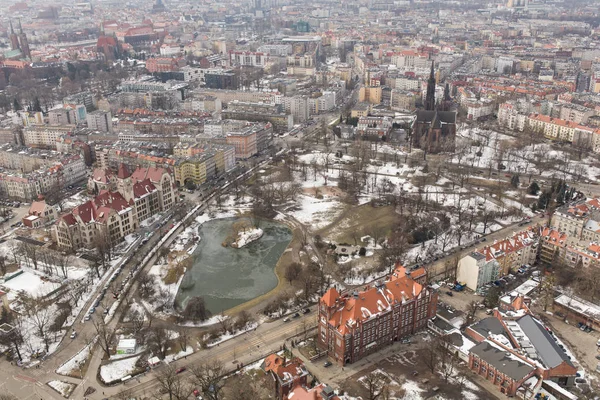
<point x="76" y="362"/>
<point x="317" y="213"/>
<point x="117" y="370"/>
<point x="181" y="354"/>
<point x="64" y="388"/>
<point x="29" y="283"/>
<point x="228" y="335"/>
<point x="246" y="237"/>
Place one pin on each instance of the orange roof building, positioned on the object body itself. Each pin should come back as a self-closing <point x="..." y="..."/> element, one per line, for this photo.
<point x="353" y="325"/>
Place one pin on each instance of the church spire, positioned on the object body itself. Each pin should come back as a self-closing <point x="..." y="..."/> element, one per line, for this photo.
<point x="20" y="27"/>
<point x="12" y="31"/>
<point x="430" y="97"/>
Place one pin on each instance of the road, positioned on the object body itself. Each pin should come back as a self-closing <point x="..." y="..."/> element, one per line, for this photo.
<point x="246" y="348"/>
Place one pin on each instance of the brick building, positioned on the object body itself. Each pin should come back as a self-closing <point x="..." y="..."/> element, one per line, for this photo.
<point x="354" y="325"/>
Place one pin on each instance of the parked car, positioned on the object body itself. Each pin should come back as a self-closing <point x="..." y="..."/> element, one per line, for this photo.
<point x="180" y="370"/>
<point x="405" y="341"/>
<point x="73" y="335"/>
<point x="286" y="319"/>
<point x="327" y="364"/>
<point x="296" y="315"/>
<point x="449" y="293"/>
<point x="306" y="311"/>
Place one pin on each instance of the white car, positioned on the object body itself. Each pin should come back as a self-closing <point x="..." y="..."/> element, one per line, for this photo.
<point x="73" y="335"/>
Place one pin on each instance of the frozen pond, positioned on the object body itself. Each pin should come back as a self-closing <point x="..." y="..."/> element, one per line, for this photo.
<point x="225" y="276"/>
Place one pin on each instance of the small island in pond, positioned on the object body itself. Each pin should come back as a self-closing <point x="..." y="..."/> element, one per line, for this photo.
<point x="242" y="233"/>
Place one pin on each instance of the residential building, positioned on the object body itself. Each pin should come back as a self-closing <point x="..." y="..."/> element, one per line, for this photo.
<point x="511" y="253"/>
<point x="45" y="136"/>
<point x="285" y="373"/>
<point x="374" y="127"/>
<point x="476" y="271"/>
<point x="248" y="58"/>
<point x="370" y="94"/>
<point x="298" y="106"/>
<point x="62" y="116"/>
<point x="70" y="170"/>
<point x="354" y="325"/>
<point x="39" y="214"/>
<point x="552" y="245"/>
<point x="577" y="220"/>
<point x="100" y="121"/>
<point x="558" y="129"/>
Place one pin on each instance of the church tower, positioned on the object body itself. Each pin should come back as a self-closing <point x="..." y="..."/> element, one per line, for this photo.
<point x="14" y="39"/>
<point x="24" y="43"/>
<point x="430" y="97"/>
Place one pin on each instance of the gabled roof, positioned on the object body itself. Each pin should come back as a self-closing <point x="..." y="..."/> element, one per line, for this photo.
<point x="113" y="200"/>
<point x="545" y="346"/>
<point x="330" y="297"/>
<point x="375" y="300"/>
<point x="123" y="172"/>
<point x="102" y="175"/>
<point x="143" y="188"/>
<point x="507" y="364"/>
<point x="152" y="173"/>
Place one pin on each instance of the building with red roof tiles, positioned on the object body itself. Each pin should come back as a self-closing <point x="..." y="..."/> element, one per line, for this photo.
<point x="579" y="221"/>
<point x="285" y="373"/>
<point x="123" y="201"/>
<point x="319" y="392"/>
<point x="552" y="244"/>
<point x="354" y="325"/>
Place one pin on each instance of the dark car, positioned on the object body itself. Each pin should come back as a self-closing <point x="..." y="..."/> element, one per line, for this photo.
<point x="296" y="315"/>
<point x="449" y="293"/>
<point x="327" y="364"/>
<point x="306" y="311"/>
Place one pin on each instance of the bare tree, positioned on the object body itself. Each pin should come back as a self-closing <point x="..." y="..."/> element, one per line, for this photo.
<point x="172" y="384"/>
<point x="105" y="334"/>
<point x="292" y="271"/>
<point x="158" y="340"/>
<point x="209" y="378"/>
<point x="376" y="384"/>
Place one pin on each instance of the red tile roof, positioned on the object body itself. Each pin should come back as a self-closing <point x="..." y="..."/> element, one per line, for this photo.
<point x="143" y="188"/>
<point x="399" y="288"/>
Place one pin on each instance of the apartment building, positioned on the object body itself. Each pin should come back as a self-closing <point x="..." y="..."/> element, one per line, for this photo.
<point x="476" y="270"/>
<point x="298" y="107"/>
<point x="374" y="127"/>
<point x="477" y="109"/>
<point x="370" y="94"/>
<point x="510" y="117"/>
<point x="248" y="58"/>
<point x="45" y="136"/>
<point x="354" y="325"/>
<point x="514" y="251"/>
<point x="559" y="129"/>
<point x="67" y="171"/>
<point x="100" y="121"/>
<point x="62" y="116"/>
<point x="402" y="100"/>
<point x="575" y="219"/>
<point x="553" y="245"/>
